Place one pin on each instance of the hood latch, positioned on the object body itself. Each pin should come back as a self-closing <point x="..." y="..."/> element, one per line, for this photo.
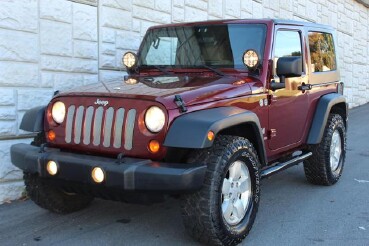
<point x="179" y="101"/>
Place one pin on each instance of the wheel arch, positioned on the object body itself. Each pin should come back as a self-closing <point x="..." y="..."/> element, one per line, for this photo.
<point x="251" y="131"/>
<point x="341" y="109"/>
<point x="33" y="119"/>
<point x="190" y="131"/>
<point x="330" y="103"/>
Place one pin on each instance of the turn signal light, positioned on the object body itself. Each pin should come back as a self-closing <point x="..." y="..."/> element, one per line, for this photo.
<point x="52" y="168"/>
<point x="98" y="175"/>
<point x="51" y="135"/>
<point x="154" y="146"/>
<point x="211" y="136"/>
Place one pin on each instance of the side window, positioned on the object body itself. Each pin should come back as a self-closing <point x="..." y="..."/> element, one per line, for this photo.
<point x="322" y="54"/>
<point x="287" y="43"/>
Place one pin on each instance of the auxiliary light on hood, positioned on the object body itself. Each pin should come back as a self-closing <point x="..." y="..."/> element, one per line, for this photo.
<point x="130" y="60"/>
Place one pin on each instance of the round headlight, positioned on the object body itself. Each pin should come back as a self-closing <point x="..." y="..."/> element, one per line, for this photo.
<point x="129" y="59"/>
<point x="58" y="112"/>
<point x="154" y="119"/>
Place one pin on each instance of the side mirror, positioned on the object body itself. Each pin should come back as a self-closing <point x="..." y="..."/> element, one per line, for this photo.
<point x="290" y="66"/>
<point x="287" y="67"/>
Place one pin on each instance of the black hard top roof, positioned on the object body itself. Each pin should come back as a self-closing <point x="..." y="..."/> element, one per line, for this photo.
<point x="265" y="21"/>
<point x="300" y="23"/>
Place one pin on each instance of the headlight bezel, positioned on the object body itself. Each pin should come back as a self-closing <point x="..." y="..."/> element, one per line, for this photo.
<point x="160" y="120"/>
<point x="59" y="119"/>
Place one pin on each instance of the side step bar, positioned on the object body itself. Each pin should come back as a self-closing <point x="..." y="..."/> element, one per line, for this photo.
<point x="284" y="165"/>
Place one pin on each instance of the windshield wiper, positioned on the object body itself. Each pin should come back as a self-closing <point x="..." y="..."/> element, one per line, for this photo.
<point x="217" y="71"/>
<point x="160" y="69"/>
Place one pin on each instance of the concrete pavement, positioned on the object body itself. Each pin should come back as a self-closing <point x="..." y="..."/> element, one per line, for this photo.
<point x="292" y="211"/>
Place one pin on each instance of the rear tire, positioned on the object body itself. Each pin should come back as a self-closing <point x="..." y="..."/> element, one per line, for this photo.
<point x="214" y="214"/>
<point x="326" y="164"/>
<point x="53" y="199"/>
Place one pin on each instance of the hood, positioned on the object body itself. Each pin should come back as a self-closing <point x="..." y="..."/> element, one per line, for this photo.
<point x="193" y="90"/>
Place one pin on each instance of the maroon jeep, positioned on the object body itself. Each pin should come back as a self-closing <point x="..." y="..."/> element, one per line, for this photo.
<point x="207" y="110"/>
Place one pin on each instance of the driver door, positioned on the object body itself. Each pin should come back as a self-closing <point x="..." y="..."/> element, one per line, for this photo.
<point x="288" y="106"/>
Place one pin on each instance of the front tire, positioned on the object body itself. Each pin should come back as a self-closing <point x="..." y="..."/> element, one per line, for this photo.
<point x="224" y="210"/>
<point x="326" y="164"/>
<point x="53" y="199"/>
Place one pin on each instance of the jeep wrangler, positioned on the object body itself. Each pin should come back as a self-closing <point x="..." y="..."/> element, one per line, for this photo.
<point x="206" y="111"/>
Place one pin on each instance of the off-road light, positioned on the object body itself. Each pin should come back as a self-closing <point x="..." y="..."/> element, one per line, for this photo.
<point x="251" y="59"/>
<point x="154" y="119"/>
<point x="52" y="168"/>
<point x="98" y="174"/>
<point x="131" y="81"/>
<point x="130" y="59"/>
<point x="154" y="146"/>
<point x="58" y="112"/>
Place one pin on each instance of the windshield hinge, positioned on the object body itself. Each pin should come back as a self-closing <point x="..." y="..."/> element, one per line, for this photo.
<point x="179" y="101"/>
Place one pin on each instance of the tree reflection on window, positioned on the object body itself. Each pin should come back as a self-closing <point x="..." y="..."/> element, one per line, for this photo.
<point x="322" y="52"/>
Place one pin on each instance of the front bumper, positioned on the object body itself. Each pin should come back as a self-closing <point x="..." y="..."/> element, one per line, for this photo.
<point x="131" y="174"/>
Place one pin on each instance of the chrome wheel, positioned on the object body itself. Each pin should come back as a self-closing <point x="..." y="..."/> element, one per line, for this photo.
<point x="236" y="193"/>
<point x="335" y="150"/>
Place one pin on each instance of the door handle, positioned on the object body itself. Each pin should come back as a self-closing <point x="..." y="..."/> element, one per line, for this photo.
<point x="305" y="87"/>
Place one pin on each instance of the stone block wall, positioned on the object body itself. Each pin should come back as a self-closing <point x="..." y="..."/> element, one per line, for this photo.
<point x="45" y="45"/>
<point x="48" y="45"/>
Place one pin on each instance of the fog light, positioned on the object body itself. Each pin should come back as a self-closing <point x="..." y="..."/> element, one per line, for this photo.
<point x="52" y="168"/>
<point x="98" y="175"/>
<point x="51" y="135"/>
<point x="154" y="146"/>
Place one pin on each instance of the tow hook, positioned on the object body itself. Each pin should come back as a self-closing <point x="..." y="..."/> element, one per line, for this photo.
<point x="120" y="158"/>
<point x="42" y="147"/>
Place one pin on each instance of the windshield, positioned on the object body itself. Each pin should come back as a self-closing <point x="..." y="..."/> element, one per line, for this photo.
<point x="220" y="46"/>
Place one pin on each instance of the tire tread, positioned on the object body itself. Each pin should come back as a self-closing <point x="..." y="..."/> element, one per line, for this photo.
<point x="316" y="168"/>
<point x="53" y="199"/>
<point x="197" y="208"/>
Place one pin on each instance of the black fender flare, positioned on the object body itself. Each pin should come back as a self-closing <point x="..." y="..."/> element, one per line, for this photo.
<point x="33" y="120"/>
<point x="321" y="115"/>
<point x="190" y="130"/>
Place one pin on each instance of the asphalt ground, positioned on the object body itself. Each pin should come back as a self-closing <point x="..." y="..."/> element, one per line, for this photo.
<point x="292" y="211"/>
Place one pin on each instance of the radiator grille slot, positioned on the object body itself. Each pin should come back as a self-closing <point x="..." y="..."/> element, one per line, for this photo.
<point x="130" y="124"/>
<point x="119" y="118"/>
<point x="97" y="126"/>
<point x="100" y="126"/>
<point x="88" y="125"/>
<point x="107" y="126"/>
